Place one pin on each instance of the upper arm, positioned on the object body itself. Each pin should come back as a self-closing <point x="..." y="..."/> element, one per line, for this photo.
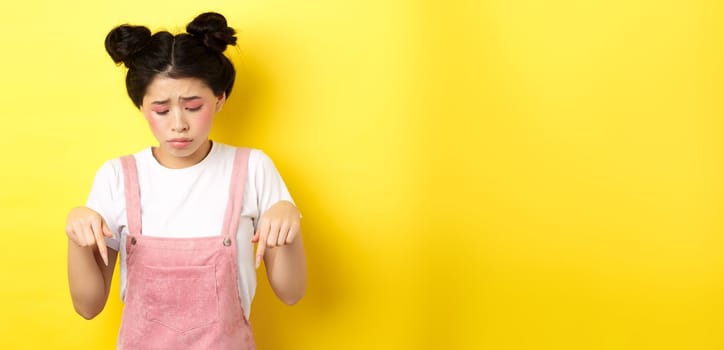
<point x="268" y="183"/>
<point x="107" y="199"/>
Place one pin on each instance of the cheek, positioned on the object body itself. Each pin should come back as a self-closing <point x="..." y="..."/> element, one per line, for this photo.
<point x="205" y="118"/>
<point x="153" y="123"/>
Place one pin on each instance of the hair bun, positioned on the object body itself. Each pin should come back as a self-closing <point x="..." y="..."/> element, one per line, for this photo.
<point x="211" y="28"/>
<point x="125" y="41"/>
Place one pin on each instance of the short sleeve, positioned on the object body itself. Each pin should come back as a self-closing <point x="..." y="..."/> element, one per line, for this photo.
<point x="105" y="198"/>
<point x="268" y="183"/>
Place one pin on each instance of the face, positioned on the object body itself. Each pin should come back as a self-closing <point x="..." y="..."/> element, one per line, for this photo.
<point x="180" y="113"/>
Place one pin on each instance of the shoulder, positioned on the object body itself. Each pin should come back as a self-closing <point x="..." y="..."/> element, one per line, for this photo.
<point x="112" y="169"/>
<point x="257" y="157"/>
<point x="107" y="186"/>
<point x="261" y="165"/>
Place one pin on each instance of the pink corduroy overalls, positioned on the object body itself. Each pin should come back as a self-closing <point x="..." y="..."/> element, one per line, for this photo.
<point x="182" y="293"/>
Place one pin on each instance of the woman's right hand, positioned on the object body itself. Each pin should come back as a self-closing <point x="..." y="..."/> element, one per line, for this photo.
<point x="86" y="228"/>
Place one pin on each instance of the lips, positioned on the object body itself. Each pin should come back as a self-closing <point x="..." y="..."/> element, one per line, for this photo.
<point x="179" y="143"/>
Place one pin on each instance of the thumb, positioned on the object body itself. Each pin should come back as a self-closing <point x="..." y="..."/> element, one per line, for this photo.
<point x="106" y="231"/>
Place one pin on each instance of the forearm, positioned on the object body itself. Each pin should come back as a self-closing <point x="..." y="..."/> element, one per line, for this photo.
<point x="86" y="280"/>
<point x="286" y="268"/>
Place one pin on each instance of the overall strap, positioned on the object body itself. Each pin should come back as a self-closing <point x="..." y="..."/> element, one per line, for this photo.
<point x="133" y="194"/>
<point x="236" y="193"/>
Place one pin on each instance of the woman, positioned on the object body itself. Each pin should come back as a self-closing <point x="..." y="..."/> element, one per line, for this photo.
<point x="184" y="215"/>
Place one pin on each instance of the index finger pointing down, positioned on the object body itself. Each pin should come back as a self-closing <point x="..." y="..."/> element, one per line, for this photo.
<point x="100" y="241"/>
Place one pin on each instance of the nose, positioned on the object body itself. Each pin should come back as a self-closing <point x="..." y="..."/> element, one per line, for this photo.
<point x="179" y="124"/>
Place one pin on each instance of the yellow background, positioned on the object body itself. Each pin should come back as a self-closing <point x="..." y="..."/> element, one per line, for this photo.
<point x="501" y="174"/>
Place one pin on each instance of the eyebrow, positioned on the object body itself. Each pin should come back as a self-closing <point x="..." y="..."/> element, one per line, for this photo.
<point x="183" y="99"/>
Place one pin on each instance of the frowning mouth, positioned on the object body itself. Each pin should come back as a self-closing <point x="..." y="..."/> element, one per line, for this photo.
<point x="179" y="142"/>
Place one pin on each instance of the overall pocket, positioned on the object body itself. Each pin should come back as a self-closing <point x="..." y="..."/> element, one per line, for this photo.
<point x="180" y="298"/>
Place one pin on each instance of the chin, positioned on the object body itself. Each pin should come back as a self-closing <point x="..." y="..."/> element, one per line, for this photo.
<point x="185" y="153"/>
<point x="181" y="153"/>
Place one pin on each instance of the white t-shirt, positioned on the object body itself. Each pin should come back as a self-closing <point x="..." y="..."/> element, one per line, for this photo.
<point x="190" y="202"/>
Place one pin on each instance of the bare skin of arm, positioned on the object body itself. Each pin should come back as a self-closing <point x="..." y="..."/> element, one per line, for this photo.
<point x="283" y="252"/>
<point x="89" y="277"/>
<point x="286" y="270"/>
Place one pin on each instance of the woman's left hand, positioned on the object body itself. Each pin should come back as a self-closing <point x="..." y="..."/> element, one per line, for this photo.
<point x="279" y="226"/>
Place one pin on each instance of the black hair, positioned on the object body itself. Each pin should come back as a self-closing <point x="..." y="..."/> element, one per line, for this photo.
<point x="198" y="53"/>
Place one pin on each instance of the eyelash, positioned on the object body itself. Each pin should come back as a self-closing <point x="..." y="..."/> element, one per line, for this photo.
<point x="189" y="109"/>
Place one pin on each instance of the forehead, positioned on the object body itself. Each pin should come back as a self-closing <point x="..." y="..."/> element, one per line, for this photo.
<point x="164" y="88"/>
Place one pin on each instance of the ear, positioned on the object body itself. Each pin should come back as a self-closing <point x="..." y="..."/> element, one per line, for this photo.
<point x="220" y="102"/>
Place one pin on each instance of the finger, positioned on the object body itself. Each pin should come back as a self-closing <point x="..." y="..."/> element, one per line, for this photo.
<point x="106" y="230"/>
<point x="96" y="226"/>
<point x="283" y="234"/>
<point x="260" y="249"/>
<point x="70" y="231"/>
<point x="271" y="240"/>
<point x="89" y="236"/>
<point x="102" y="249"/>
<point x="262" y="233"/>
<point x="293" y="232"/>
<point x="80" y="234"/>
<point x="259" y="228"/>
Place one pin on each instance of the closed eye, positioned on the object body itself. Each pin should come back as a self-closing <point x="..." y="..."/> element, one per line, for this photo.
<point x="194" y="109"/>
<point x="162" y="112"/>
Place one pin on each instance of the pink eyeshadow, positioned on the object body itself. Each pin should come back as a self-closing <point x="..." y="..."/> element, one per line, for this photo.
<point x="194" y="104"/>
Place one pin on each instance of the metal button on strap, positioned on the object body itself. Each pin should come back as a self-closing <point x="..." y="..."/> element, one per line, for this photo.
<point x="133" y="240"/>
<point x="227" y="241"/>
